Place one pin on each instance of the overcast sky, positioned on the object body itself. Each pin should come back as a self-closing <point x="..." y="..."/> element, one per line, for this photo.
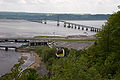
<point x="61" y="6"/>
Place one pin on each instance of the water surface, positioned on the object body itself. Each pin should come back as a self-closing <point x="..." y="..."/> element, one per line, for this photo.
<point x="23" y="28"/>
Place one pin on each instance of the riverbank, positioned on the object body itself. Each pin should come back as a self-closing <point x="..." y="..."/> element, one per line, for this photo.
<point x="67" y="38"/>
<point x="38" y="65"/>
<point x="37" y="60"/>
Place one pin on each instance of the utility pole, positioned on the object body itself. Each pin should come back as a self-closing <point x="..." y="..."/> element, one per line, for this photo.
<point x="58" y="22"/>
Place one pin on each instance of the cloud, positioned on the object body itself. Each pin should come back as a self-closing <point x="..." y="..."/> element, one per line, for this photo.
<point x="23" y="1"/>
<point x="1" y="1"/>
<point x="60" y="6"/>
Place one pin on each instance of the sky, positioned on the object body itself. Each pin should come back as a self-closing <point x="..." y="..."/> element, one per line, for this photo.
<point x="61" y="6"/>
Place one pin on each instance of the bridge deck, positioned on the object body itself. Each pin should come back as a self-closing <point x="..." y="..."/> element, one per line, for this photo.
<point x="65" y="22"/>
<point x="9" y="46"/>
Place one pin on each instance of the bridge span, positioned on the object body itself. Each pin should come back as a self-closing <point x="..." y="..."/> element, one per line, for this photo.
<point x="10" y="45"/>
<point x="69" y="25"/>
<point x="7" y="47"/>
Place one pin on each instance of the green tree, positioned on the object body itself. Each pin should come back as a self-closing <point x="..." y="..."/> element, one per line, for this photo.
<point x="105" y="55"/>
<point x="73" y="67"/>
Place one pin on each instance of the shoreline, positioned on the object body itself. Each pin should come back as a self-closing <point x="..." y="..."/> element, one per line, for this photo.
<point x="36" y="62"/>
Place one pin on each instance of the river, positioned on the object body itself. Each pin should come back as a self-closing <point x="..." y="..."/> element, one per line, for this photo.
<point x="10" y="57"/>
<point x="23" y="28"/>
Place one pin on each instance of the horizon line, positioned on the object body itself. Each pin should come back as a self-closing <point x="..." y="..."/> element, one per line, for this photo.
<point x="55" y="12"/>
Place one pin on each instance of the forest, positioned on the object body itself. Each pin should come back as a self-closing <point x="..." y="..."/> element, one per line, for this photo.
<point x="101" y="61"/>
<point x="52" y="16"/>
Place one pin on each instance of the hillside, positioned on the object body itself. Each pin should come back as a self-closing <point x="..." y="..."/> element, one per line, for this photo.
<point x="22" y="15"/>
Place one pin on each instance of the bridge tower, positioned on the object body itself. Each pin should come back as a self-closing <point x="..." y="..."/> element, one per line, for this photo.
<point x="64" y="24"/>
<point x="58" y="24"/>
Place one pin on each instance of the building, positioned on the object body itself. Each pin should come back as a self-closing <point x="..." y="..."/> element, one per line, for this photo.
<point x="38" y="43"/>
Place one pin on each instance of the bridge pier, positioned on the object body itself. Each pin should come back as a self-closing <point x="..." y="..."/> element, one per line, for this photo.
<point x="64" y="24"/>
<point x="68" y="25"/>
<point x="58" y="23"/>
<point x="75" y="26"/>
<point x="86" y="29"/>
<point x="16" y="40"/>
<point x="6" y="48"/>
<point x="78" y="27"/>
<point x="95" y="30"/>
<point x="71" y="25"/>
<point x="91" y="29"/>
<point x="82" y="28"/>
<point x="6" y="40"/>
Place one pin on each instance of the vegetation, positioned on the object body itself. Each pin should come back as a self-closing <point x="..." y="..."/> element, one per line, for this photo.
<point x="37" y="16"/>
<point x="17" y="74"/>
<point x="74" y="66"/>
<point x="49" y="37"/>
<point x="72" y="40"/>
<point x="105" y="54"/>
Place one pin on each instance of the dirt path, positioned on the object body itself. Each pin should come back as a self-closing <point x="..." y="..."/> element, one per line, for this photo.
<point x="39" y="65"/>
<point x="37" y="60"/>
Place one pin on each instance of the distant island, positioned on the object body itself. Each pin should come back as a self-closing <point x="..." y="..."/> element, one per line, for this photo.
<point x="37" y="16"/>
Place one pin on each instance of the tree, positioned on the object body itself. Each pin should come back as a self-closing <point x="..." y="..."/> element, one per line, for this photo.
<point x="106" y="52"/>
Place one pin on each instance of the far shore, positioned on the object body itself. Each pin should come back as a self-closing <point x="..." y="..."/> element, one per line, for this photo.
<point x="37" y="60"/>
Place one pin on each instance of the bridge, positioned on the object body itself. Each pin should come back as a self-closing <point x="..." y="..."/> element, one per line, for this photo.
<point x="17" y="40"/>
<point x="7" y="47"/>
<point x="69" y="25"/>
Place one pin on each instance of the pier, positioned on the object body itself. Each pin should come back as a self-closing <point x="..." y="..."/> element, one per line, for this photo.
<point x="7" y="47"/>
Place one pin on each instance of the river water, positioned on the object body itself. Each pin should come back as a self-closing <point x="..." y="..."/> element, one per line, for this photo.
<point x="23" y="28"/>
<point x="9" y="58"/>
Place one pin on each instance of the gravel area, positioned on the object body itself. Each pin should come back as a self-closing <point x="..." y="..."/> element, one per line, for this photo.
<point x="79" y="45"/>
